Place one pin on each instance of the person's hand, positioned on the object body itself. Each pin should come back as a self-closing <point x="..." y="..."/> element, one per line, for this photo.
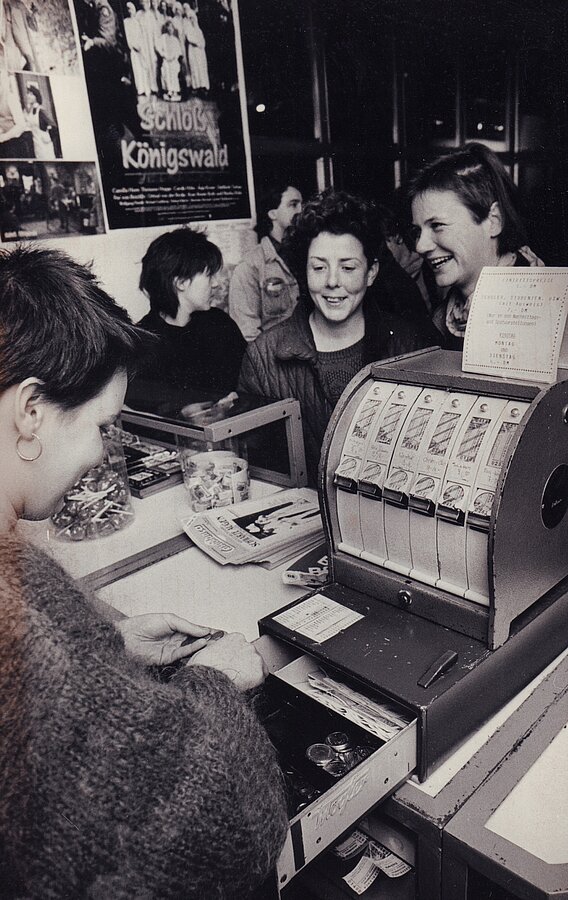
<point x="157" y="638"/>
<point x="531" y="257"/>
<point x="236" y="658"/>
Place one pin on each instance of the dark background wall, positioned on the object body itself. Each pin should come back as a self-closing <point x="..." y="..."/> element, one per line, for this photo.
<point x="358" y="93"/>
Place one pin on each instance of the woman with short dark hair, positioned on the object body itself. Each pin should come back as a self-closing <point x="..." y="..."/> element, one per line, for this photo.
<point x="200" y="347"/>
<point x="465" y="214"/>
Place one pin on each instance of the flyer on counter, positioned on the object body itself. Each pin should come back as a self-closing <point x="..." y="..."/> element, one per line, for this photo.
<point x="310" y="570"/>
<point x="516" y="324"/>
<point x="261" y="531"/>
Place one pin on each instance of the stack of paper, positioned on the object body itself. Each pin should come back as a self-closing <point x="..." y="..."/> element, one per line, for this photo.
<point x="380" y="719"/>
<point x="268" y="531"/>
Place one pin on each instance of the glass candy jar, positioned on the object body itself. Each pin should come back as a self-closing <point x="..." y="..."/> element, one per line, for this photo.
<point x="214" y="473"/>
<point x="100" y="502"/>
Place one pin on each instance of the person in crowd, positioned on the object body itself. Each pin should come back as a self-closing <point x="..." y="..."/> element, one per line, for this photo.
<point x="177" y="19"/>
<point x="465" y="216"/>
<point x="419" y="289"/>
<point x="151" y="33"/>
<point x="170" y="51"/>
<point x="135" y="43"/>
<point x="157" y="13"/>
<point x="263" y="290"/>
<point x="15" y="135"/>
<point x="103" y="28"/>
<point x="337" y="326"/>
<point x="16" y="35"/>
<point x="397" y="287"/>
<point x="197" y="68"/>
<point x="115" y="783"/>
<point x="59" y="201"/>
<point x="200" y="347"/>
<point x="40" y="125"/>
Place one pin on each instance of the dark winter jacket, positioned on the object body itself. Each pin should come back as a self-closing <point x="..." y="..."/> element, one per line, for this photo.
<point x="283" y="363"/>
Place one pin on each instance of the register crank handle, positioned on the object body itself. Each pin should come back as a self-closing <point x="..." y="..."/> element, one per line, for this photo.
<point x="438" y="668"/>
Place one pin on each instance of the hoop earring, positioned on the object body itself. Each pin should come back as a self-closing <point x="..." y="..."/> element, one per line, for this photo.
<point x="29" y="458"/>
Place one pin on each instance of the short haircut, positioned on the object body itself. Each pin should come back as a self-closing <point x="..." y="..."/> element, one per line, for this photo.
<point x="182" y="253"/>
<point x="32" y="89"/>
<point x="58" y="325"/>
<point x="477" y="177"/>
<point x="336" y="212"/>
<point x="271" y="199"/>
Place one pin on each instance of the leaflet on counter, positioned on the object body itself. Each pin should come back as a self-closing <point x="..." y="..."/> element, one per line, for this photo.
<point x="259" y="530"/>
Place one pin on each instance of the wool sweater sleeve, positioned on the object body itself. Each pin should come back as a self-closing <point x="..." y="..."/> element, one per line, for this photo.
<point x="113" y="784"/>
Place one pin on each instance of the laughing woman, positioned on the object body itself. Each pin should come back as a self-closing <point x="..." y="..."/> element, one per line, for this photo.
<point x="337" y="327"/>
<point x="465" y="216"/>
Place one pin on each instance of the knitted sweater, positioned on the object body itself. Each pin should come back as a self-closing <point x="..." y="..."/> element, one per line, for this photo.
<point x="112" y="784"/>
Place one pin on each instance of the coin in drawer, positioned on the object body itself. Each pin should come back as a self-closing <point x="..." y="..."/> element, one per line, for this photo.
<point x="341" y="751"/>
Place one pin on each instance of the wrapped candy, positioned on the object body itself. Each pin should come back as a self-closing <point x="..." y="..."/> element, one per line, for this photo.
<point x="99" y="503"/>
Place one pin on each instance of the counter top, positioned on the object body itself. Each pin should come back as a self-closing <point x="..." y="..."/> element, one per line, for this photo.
<point x="190" y="583"/>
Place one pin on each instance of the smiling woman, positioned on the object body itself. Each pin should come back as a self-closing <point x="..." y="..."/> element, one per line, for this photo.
<point x="465" y="217"/>
<point x="336" y="328"/>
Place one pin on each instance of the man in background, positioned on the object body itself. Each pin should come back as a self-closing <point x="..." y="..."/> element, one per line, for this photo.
<point x="263" y="291"/>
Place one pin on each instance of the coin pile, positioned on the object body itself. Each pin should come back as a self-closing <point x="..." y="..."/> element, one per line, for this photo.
<point x="337" y="755"/>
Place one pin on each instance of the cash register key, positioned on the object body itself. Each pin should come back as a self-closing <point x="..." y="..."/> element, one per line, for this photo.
<point x="338" y="741"/>
<point x="320" y="754"/>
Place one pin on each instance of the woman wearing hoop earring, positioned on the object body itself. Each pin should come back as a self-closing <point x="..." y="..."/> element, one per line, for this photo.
<point x="22" y="455"/>
<point x="114" y="784"/>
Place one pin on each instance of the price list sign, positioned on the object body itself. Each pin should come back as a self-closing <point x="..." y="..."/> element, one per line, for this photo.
<point x="516" y="324"/>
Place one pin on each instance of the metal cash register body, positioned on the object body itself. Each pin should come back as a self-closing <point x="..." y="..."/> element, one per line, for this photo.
<point x="445" y="499"/>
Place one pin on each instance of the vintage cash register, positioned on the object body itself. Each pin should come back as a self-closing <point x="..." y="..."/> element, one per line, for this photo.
<point x="445" y="499"/>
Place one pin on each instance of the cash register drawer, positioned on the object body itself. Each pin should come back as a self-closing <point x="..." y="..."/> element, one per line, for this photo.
<point x="326" y="799"/>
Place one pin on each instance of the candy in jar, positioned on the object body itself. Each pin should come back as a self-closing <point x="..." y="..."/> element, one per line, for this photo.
<point x="99" y="503"/>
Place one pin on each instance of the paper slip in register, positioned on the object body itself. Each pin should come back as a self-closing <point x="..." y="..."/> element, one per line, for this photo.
<point x="267" y="531"/>
<point x="516" y="324"/>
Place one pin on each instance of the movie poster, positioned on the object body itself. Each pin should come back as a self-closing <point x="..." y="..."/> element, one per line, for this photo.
<point x="44" y="190"/>
<point x="164" y="94"/>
